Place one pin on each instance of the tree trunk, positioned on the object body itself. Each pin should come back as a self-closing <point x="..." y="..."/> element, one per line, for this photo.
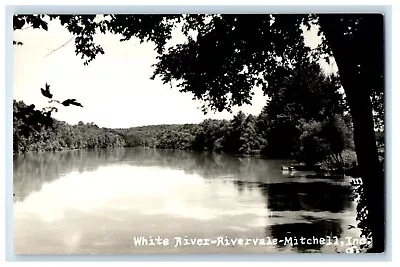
<point x="358" y="96"/>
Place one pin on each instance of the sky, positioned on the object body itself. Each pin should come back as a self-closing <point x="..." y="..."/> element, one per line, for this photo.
<point x="115" y="89"/>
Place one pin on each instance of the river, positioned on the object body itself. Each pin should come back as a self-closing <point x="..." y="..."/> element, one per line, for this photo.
<point x="104" y="201"/>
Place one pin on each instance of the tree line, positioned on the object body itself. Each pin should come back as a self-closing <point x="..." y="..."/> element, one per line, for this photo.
<point x="36" y="131"/>
<point x="307" y="120"/>
<point x="328" y="143"/>
<point x="315" y="142"/>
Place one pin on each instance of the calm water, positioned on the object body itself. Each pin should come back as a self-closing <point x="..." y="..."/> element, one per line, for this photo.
<point x="98" y="201"/>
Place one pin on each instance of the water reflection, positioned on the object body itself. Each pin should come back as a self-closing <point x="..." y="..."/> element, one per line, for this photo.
<point x="312" y="196"/>
<point x="296" y="196"/>
<point x="30" y="171"/>
<point x="310" y="231"/>
<point x="95" y="201"/>
<point x="46" y="167"/>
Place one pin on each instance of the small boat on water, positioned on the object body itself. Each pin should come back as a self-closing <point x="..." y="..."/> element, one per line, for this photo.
<point x="298" y="167"/>
<point x="287" y="168"/>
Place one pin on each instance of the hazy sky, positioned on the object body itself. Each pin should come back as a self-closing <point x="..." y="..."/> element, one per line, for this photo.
<point x="114" y="89"/>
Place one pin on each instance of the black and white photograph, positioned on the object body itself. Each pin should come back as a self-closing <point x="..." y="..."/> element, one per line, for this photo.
<point x="145" y="134"/>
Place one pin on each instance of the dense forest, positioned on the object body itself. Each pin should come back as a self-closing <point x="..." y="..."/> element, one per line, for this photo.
<point x="35" y="131"/>
<point x="326" y="142"/>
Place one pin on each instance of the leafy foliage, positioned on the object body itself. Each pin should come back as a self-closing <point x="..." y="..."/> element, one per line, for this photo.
<point x="34" y="131"/>
<point x="71" y="102"/>
<point x="222" y="58"/>
<point x="46" y="91"/>
<point x="237" y="136"/>
<point x="67" y="102"/>
<point x="325" y="142"/>
<point x="317" y="142"/>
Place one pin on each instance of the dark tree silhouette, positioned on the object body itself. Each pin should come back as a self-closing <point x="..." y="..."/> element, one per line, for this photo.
<point x="356" y="42"/>
<point x="71" y="102"/>
<point x="35" y="131"/>
<point x="46" y="92"/>
<point x="67" y="102"/>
